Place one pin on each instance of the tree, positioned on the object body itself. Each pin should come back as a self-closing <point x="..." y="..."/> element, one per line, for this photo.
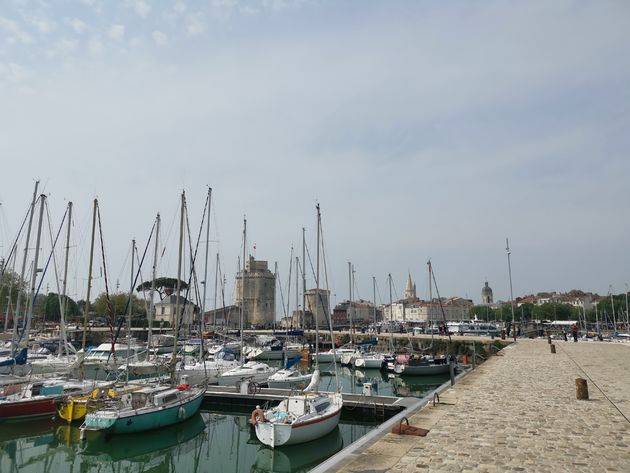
<point x="163" y="286"/>
<point x="118" y="305"/>
<point x="52" y="311"/>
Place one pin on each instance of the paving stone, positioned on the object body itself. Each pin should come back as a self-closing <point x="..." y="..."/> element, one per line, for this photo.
<point x="519" y="412"/>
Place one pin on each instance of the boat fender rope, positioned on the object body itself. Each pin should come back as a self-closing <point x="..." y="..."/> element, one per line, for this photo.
<point x="257" y="416"/>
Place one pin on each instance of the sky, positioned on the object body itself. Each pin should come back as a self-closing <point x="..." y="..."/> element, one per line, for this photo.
<point x="424" y="129"/>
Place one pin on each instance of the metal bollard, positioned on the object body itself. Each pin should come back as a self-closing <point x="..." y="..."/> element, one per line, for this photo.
<point x="553" y="348"/>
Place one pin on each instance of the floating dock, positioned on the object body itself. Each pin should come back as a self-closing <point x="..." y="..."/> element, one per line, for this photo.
<point x="377" y="408"/>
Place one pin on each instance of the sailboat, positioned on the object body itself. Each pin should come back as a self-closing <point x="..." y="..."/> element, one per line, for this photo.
<point x="156" y="405"/>
<point x="302" y="417"/>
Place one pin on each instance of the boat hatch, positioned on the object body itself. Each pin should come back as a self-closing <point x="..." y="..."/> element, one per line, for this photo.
<point x="138" y="400"/>
<point x="321" y="407"/>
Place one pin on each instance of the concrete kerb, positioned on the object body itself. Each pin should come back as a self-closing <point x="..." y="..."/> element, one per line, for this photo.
<point x="349" y="453"/>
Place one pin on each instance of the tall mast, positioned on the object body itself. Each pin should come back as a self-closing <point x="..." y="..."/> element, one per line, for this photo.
<point x="612" y="303"/>
<point x="317" y="295"/>
<point x="16" y="312"/>
<point x="297" y="288"/>
<point x="151" y="315"/>
<point x="391" y="313"/>
<point x="86" y="308"/>
<point x="303" y="317"/>
<point x="242" y="311"/>
<point x="179" y="283"/>
<point x="130" y="311"/>
<point x="374" y="295"/>
<point x="216" y="283"/>
<point x="34" y="272"/>
<point x="289" y="283"/>
<point x="205" y="266"/>
<point x="62" y="322"/>
<point x="350" y="300"/>
<point x="431" y="300"/>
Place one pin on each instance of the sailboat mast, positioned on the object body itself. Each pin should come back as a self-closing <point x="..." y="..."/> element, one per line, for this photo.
<point x="431" y="300"/>
<point x="130" y="311"/>
<point x="86" y="307"/>
<point x="317" y="293"/>
<point x="303" y="276"/>
<point x="350" y="300"/>
<point x="216" y="284"/>
<point x="16" y="312"/>
<point x="289" y="283"/>
<point x="62" y="321"/>
<point x="34" y="272"/>
<point x="179" y="283"/>
<point x="205" y="266"/>
<point x="242" y="312"/>
<point x="151" y="314"/>
<point x="374" y="295"/>
<point x="391" y="313"/>
<point x="297" y="288"/>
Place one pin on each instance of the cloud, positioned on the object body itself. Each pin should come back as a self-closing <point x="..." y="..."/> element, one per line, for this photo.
<point x="15" y="32"/>
<point x="180" y="7"/>
<point x="95" y="46"/>
<point x="77" y="25"/>
<point x="159" y="38"/>
<point x="142" y="8"/>
<point x="195" y="24"/>
<point x="116" y="32"/>
<point x="43" y="25"/>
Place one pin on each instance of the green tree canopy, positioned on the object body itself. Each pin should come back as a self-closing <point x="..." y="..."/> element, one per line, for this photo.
<point x="163" y="286"/>
<point x="51" y="308"/>
<point x="118" y="303"/>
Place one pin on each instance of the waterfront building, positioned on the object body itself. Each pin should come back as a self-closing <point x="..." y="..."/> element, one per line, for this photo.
<point x="223" y="317"/>
<point x="362" y="313"/>
<point x="165" y="310"/>
<point x="260" y="294"/>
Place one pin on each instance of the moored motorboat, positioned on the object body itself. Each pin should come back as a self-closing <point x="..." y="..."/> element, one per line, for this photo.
<point x="289" y="379"/>
<point x="250" y="371"/>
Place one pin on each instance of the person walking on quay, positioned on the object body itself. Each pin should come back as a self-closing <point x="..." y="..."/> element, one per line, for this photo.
<point x="574" y="332"/>
<point x="564" y="335"/>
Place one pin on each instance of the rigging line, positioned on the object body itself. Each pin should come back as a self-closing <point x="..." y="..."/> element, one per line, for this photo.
<point x="135" y="281"/>
<point x="144" y="291"/>
<point x="194" y="256"/>
<point x="36" y="293"/>
<point x="108" y="302"/>
<point x="123" y="267"/>
<point x="59" y="295"/>
<point x="595" y="384"/>
<point x="193" y="269"/>
<point x="284" y="310"/>
<point x="15" y="244"/>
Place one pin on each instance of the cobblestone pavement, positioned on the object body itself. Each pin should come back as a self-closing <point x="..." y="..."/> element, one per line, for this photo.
<point x="519" y="412"/>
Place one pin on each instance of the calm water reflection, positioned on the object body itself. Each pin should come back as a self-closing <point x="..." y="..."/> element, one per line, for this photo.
<point x="210" y="441"/>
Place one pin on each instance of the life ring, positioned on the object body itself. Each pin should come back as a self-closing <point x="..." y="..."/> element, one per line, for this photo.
<point x="257" y="416"/>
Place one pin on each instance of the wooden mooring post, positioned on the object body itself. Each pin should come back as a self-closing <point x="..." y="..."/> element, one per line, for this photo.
<point x="581" y="389"/>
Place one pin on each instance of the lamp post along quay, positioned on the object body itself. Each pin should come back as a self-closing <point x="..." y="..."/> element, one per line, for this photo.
<point x="507" y="249"/>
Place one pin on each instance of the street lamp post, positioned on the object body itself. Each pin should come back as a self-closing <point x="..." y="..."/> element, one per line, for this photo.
<point x="507" y="249"/>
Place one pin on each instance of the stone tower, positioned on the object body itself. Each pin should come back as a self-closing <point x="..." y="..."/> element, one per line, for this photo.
<point x="410" y="289"/>
<point x="323" y="306"/>
<point x="486" y="294"/>
<point x="260" y="293"/>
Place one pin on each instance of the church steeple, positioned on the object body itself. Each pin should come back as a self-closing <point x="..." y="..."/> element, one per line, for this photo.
<point x="410" y="289"/>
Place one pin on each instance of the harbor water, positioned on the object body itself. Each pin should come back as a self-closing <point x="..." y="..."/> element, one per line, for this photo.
<point x="212" y="440"/>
